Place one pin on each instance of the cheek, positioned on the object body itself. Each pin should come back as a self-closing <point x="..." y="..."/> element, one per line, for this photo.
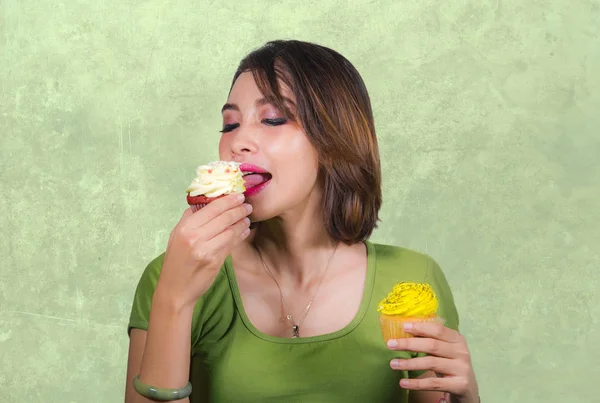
<point x="308" y="158"/>
<point x="296" y="147"/>
<point x="308" y="163"/>
<point x="300" y="167"/>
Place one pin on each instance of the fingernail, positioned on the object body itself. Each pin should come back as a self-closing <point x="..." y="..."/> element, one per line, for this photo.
<point x="248" y="207"/>
<point x="392" y="343"/>
<point x="246" y="232"/>
<point x="247" y="220"/>
<point x="394" y="364"/>
<point x="407" y="326"/>
<point x="404" y="383"/>
<point x="241" y="197"/>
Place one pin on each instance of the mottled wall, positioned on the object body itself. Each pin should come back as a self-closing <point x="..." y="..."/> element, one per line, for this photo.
<point x="488" y="114"/>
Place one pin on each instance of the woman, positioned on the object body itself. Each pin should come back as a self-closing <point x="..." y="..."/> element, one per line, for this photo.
<point x="284" y="310"/>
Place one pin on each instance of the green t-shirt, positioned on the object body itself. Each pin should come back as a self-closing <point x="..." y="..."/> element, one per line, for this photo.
<point x="234" y="362"/>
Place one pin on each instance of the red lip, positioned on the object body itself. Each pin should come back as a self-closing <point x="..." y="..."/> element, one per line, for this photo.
<point x="256" y="189"/>
<point x="245" y="167"/>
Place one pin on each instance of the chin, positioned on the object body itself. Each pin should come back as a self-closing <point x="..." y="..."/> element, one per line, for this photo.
<point x="262" y="213"/>
<point x="271" y="203"/>
<point x="257" y="218"/>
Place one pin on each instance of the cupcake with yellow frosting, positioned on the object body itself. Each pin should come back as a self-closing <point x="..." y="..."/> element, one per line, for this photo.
<point x="407" y="302"/>
<point x="214" y="180"/>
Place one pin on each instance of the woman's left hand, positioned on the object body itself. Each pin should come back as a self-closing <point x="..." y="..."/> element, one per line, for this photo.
<point x="448" y="357"/>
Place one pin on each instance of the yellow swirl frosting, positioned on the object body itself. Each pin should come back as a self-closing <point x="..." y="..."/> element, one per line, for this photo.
<point x="217" y="178"/>
<point x="409" y="299"/>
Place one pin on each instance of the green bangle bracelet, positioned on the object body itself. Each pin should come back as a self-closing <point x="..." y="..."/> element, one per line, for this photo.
<point x="163" y="394"/>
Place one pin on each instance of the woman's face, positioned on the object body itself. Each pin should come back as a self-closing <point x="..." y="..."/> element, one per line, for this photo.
<point x="256" y="134"/>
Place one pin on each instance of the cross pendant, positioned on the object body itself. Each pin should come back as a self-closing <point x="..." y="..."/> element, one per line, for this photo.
<point x="295" y="331"/>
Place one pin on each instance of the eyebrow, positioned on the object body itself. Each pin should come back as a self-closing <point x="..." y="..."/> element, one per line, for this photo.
<point x="257" y="103"/>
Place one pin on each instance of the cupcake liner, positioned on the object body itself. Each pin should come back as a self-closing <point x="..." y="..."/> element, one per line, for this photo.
<point x="391" y="326"/>
<point x="196" y="207"/>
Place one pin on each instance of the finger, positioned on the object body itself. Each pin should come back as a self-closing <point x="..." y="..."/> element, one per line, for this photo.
<point x="442" y="366"/>
<point x="223" y="242"/>
<point x="215" y="208"/>
<point x="451" y="385"/>
<point x="433" y="330"/>
<point x="226" y="219"/>
<point x="214" y="251"/>
<point x="187" y="213"/>
<point x="427" y="345"/>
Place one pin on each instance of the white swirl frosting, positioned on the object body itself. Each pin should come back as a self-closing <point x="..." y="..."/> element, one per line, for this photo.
<point x="217" y="178"/>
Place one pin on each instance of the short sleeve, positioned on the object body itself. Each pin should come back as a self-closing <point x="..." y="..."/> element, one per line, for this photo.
<point x="142" y="300"/>
<point x="447" y="309"/>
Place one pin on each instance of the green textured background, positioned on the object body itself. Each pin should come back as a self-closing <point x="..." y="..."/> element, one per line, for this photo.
<point x="488" y="115"/>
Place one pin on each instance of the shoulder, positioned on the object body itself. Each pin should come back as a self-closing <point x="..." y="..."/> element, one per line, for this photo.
<point x="151" y="274"/>
<point x="404" y="264"/>
<point x="144" y="292"/>
<point x="146" y="285"/>
<point x="152" y="271"/>
<point x="142" y="301"/>
<point x="393" y="251"/>
<point x="397" y="258"/>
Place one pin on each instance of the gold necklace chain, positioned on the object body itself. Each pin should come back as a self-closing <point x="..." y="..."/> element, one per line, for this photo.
<point x="288" y="316"/>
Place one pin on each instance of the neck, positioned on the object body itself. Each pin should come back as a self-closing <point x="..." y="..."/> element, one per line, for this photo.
<point x="295" y="252"/>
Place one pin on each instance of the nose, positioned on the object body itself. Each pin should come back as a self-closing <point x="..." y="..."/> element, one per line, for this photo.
<point x="243" y="142"/>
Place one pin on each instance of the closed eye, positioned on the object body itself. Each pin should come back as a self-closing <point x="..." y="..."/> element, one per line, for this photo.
<point x="274" y="122"/>
<point x="270" y="122"/>
<point x="230" y="127"/>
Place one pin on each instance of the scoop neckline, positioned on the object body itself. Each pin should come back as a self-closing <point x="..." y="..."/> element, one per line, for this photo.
<point x="358" y="318"/>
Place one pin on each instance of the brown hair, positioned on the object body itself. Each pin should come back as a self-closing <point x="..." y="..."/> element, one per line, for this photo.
<point x="334" y="109"/>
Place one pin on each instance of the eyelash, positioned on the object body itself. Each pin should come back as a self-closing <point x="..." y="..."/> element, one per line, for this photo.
<point x="270" y="122"/>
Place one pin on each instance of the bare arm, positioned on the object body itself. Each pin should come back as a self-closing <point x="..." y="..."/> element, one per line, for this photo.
<point x="196" y="250"/>
<point x="161" y="356"/>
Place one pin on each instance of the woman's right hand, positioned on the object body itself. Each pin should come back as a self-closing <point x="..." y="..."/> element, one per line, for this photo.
<point x="198" y="246"/>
